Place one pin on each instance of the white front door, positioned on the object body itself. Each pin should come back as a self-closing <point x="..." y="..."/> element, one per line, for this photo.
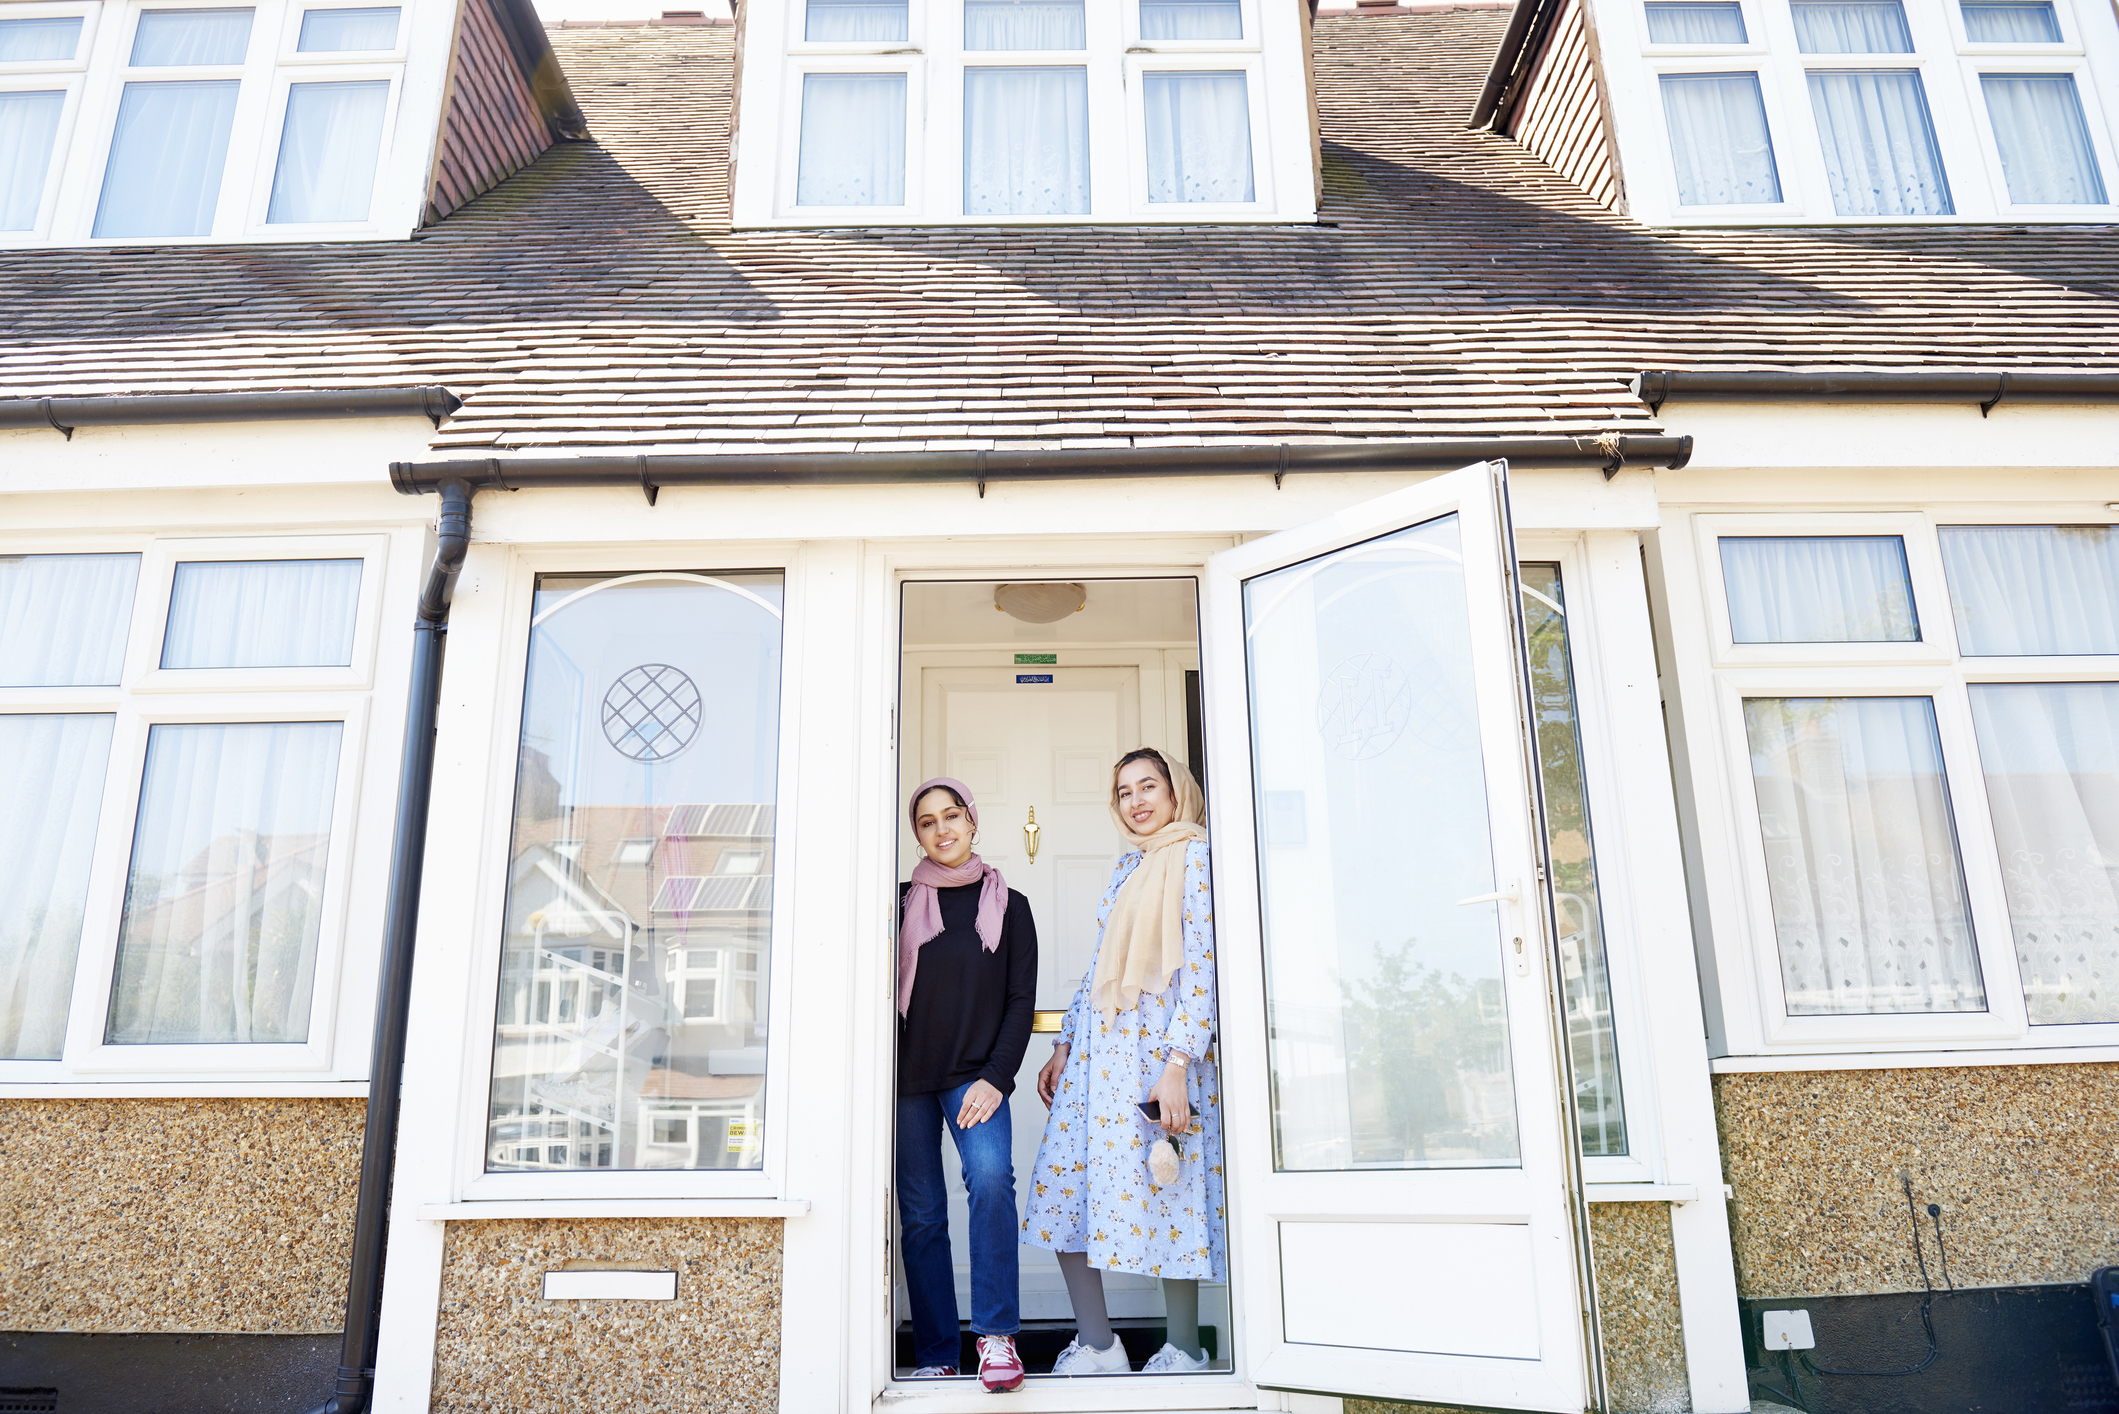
<point x="1405" y="1198"/>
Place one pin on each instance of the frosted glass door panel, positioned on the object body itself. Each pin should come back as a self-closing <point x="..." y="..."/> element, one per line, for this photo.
<point x="1389" y="1032"/>
<point x="631" y="1023"/>
<point x="63" y="619"/>
<point x="51" y="775"/>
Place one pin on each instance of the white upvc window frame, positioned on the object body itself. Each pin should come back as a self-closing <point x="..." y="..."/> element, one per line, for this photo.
<point x="147" y="696"/>
<point x="934" y="59"/>
<point x="44" y="76"/>
<point x="271" y="63"/>
<point x="469" y="1183"/>
<point x="1755" y="1017"/>
<point x="1949" y="68"/>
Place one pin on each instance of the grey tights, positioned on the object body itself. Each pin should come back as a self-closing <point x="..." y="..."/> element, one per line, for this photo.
<point x="1092" y="1318"/>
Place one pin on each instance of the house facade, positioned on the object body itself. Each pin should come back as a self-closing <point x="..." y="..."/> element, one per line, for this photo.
<point x="1615" y="500"/>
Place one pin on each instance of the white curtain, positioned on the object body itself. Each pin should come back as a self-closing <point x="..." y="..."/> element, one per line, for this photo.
<point x="2051" y="753"/>
<point x="347" y="31"/>
<point x="190" y="38"/>
<point x="1715" y="22"/>
<point x="29" y="123"/>
<point x="224" y="899"/>
<point x="1851" y="27"/>
<point x="1862" y="867"/>
<point x="1818" y="589"/>
<point x="51" y="776"/>
<point x="1026" y="142"/>
<point x="1718" y="140"/>
<point x="2044" y="142"/>
<point x="262" y="614"/>
<point x="855" y="21"/>
<point x="853" y="140"/>
<point x="63" y="619"/>
<point x="1880" y="153"/>
<point x="28" y="41"/>
<point x="2012" y="22"/>
<point x="1191" y="19"/>
<point x="1025" y="24"/>
<point x="328" y="150"/>
<point x="164" y="174"/>
<point x="2023" y="590"/>
<point x="1199" y="137"/>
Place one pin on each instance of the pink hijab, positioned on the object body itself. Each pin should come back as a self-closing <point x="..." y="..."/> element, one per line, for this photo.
<point x="923" y="906"/>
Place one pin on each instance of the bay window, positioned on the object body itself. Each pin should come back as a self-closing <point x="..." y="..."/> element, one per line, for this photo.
<point x="1922" y="722"/>
<point x="1017" y="110"/>
<point x="183" y="735"/>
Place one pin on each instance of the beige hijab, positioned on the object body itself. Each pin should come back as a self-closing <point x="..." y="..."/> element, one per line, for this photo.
<point x="1144" y="938"/>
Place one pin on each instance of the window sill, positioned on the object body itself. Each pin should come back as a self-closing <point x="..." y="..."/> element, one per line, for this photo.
<point x="1912" y="1060"/>
<point x="1640" y="1193"/>
<point x="613" y="1208"/>
<point x="77" y="1089"/>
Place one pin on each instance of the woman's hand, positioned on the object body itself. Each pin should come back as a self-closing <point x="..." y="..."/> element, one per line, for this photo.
<point x="1048" y="1079"/>
<point x="1169" y="1092"/>
<point x="981" y="1101"/>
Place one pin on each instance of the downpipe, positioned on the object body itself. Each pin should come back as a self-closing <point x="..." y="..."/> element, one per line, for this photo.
<point x="393" y="1001"/>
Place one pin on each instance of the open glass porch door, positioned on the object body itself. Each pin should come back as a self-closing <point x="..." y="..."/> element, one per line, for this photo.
<point x="1407" y="1209"/>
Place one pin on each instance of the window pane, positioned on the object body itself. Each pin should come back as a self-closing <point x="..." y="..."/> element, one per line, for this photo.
<point x="852" y="21"/>
<point x="2015" y="22"/>
<point x="1696" y="23"/>
<point x="1718" y="140"/>
<point x="1851" y="27"/>
<point x="224" y="900"/>
<point x="1585" y="976"/>
<point x="27" y="41"/>
<point x="2051" y="752"/>
<point x="649" y="706"/>
<point x="1026" y="142"/>
<point x="343" y="31"/>
<point x="1199" y="137"/>
<point x="1880" y="153"/>
<point x="328" y="151"/>
<point x="1191" y="19"/>
<point x="853" y="140"/>
<point x="190" y="37"/>
<point x="1389" y="1028"/>
<point x="51" y="776"/>
<point x="262" y="614"/>
<point x="1862" y="865"/>
<point x="166" y="157"/>
<point x="29" y="126"/>
<point x="1818" y="589"/>
<point x="1025" y="24"/>
<point x="2044" y="142"/>
<point x="63" y="619"/>
<point x="2023" y="590"/>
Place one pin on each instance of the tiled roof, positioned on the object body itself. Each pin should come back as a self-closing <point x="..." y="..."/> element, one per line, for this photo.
<point x="1459" y="286"/>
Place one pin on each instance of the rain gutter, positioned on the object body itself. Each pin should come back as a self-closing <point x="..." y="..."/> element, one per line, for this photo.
<point x="650" y="473"/>
<point x="65" y="414"/>
<point x="1657" y="387"/>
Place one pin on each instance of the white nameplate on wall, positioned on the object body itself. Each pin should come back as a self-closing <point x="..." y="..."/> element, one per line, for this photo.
<point x="610" y="1286"/>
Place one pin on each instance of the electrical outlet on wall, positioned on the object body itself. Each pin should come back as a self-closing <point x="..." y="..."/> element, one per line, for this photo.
<point x="1787" y="1330"/>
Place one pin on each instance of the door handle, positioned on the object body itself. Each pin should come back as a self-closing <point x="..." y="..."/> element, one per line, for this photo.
<point x="1512" y="895"/>
<point x="1030" y="833"/>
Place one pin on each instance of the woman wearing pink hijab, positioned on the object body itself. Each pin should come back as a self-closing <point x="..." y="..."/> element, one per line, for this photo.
<point x="967" y="984"/>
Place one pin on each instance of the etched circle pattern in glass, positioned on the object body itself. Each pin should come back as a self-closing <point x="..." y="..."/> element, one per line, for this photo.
<point x="652" y="712"/>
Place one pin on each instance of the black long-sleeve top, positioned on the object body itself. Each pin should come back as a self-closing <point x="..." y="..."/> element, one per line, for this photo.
<point x="969" y="1017"/>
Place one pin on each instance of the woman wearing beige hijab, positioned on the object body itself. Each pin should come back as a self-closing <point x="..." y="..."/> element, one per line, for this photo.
<point x="1113" y="1190"/>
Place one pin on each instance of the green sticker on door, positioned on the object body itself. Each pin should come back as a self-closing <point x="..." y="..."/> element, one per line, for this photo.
<point x="1036" y="659"/>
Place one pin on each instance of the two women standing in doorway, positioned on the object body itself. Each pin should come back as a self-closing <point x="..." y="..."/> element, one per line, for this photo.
<point x="1129" y="1172"/>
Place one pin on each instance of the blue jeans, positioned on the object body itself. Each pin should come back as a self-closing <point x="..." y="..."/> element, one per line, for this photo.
<point x="923" y="1214"/>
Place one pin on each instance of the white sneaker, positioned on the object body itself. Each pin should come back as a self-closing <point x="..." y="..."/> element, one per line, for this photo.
<point x="934" y="1372"/>
<point x="1171" y="1361"/>
<point x="1080" y="1359"/>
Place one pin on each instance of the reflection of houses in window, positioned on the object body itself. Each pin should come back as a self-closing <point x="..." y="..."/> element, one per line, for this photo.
<point x="701" y="1121"/>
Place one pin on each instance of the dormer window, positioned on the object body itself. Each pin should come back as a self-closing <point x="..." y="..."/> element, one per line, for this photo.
<point x="142" y="120"/>
<point x="980" y="111"/>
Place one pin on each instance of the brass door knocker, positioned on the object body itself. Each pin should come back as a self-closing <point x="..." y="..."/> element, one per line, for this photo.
<point x="1030" y="835"/>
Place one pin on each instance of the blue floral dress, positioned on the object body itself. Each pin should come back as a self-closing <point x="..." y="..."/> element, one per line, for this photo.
<point x="1090" y="1191"/>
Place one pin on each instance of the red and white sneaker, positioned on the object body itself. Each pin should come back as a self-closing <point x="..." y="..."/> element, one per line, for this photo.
<point x="1000" y="1368"/>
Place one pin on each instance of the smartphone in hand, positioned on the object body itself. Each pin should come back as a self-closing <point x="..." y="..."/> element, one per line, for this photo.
<point x="1153" y="1109"/>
